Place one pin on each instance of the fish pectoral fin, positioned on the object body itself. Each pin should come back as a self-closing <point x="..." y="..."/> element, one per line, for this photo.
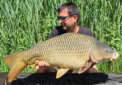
<point x="61" y="72"/>
<point x="92" y="58"/>
<point x="85" y="68"/>
<point x="16" y="68"/>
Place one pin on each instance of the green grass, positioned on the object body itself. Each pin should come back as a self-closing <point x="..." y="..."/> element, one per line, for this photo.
<point x="24" y="23"/>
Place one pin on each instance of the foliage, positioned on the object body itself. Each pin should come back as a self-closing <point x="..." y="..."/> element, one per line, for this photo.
<point x="24" y="23"/>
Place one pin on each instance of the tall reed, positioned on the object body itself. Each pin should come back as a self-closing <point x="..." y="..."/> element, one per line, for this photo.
<point x="24" y="23"/>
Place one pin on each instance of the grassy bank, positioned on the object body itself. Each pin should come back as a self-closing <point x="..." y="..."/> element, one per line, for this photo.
<point x="24" y="23"/>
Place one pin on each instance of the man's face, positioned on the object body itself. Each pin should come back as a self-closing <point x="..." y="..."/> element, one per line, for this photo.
<point x="67" y="22"/>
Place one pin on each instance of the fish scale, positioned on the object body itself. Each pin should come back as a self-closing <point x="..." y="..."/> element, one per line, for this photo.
<point x="64" y="45"/>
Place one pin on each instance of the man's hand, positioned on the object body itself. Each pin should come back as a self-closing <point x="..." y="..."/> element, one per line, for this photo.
<point x="43" y="67"/>
<point x="92" y="69"/>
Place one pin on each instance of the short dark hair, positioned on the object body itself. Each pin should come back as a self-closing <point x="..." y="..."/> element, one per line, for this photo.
<point x="71" y="7"/>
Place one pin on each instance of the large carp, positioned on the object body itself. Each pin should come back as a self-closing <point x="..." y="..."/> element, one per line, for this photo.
<point x="69" y="51"/>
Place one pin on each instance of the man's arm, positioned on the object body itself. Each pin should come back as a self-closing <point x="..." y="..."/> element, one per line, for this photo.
<point x="53" y="33"/>
<point x="56" y="31"/>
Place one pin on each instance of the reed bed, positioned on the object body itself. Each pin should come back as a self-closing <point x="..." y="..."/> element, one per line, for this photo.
<point x="24" y="23"/>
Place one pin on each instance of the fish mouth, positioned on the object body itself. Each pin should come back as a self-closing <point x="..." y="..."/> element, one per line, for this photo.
<point x="115" y="56"/>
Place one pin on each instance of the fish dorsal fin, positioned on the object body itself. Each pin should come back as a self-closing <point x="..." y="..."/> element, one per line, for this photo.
<point x="16" y="68"/>
<point x="61" y="72"/>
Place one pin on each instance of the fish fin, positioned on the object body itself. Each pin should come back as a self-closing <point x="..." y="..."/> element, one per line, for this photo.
<point x="86" y="68"/>
<point x="16" y="68"/>
<point x="92" y="58"/>
<point x="61" y="72"/>
<point x="10" y="59"/>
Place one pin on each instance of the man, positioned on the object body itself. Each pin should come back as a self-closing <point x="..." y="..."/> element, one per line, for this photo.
<point x="68" y="15"/>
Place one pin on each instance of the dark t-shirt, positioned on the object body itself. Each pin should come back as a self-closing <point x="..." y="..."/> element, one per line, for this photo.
<point x="58" y="31"/>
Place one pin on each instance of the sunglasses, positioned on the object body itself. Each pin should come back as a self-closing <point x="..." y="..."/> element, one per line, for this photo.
<point x="63" y="18"/>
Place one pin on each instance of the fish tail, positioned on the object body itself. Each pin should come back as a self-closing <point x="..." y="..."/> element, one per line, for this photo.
<point x="10" y="59"/>
<point x="16" y="64"/>
<point x="16" y="68"/>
